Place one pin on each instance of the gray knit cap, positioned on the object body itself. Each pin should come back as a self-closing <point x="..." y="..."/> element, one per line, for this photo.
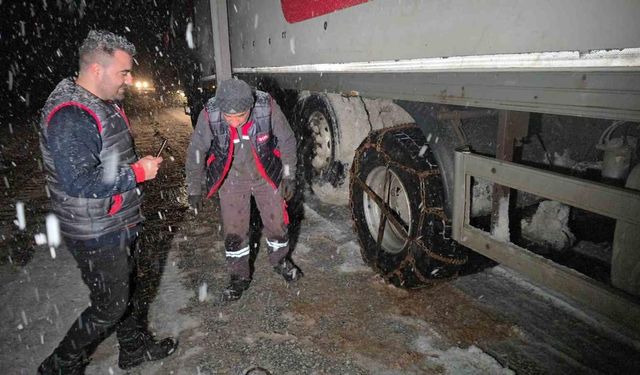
<point x="234" y="96"/>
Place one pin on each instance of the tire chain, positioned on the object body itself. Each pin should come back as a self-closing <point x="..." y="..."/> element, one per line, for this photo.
<point x="378" y="137"/>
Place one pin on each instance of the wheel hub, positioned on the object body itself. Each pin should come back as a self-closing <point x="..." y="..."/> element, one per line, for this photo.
<point x="387" y="185"/>
<point x="322" y="137"/>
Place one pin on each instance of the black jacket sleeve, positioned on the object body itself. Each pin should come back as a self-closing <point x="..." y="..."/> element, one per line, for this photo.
<point x="75" y="144"/>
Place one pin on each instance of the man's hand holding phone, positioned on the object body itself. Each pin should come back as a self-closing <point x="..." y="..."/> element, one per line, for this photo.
<point x="150" y="165"/>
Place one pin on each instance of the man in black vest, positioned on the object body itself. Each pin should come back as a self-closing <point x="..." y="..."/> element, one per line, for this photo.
<point x="243" y="146"/>
<point x="94" y="177"/>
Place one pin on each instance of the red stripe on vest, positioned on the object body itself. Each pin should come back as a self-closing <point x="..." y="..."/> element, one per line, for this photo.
<point x="75" y="104"/>
<point x="261" y="169"/>
<point x="227" y="166"/>
<point x="285" y="213"/>
<point x="116" y="206"/>
<point x="210" y="159"/>
<point x="246" y="127"/>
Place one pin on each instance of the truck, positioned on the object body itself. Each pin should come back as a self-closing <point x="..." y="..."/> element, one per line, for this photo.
<point x="457" y="130"/>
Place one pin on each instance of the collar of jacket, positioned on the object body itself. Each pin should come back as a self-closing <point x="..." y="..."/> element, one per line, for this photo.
<point x="245" y="132"/>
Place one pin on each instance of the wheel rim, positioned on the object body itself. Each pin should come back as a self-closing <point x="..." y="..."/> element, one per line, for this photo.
<point x="393" y="240"/>
<point x="322" y="137"/>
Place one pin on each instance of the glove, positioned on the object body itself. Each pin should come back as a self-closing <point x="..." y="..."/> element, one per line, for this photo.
<point x="195" y="202"/>
<point x="287" y="188"/>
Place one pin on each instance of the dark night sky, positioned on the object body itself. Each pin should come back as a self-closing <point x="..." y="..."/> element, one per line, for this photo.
<point x="39" y="42"/>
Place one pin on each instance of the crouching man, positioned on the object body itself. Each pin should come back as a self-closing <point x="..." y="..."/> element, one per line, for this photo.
<point x="243" y="146"/>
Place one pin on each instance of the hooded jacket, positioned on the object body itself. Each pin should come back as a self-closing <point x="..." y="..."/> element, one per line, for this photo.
<point x="108" y="198"/>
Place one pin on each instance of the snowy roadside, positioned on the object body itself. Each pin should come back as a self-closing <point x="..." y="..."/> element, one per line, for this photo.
<point x="39" y="303"/>
<point x="341" y="319"/>
<point x="46" y="295"/>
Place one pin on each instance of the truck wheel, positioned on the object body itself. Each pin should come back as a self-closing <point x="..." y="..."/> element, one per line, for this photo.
<point x="397" y="208"/>
<point x="320" y="139"/>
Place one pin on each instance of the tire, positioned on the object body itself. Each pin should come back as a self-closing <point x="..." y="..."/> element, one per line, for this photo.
<point x="397" y="165"/>
<point x="319" y="135"/>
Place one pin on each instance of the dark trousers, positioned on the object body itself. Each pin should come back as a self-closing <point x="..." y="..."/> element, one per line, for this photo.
<point x="109" y="268"/>
<point x="235" y="207"/>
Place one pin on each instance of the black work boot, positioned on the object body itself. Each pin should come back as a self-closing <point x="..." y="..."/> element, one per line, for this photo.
<point x="234" y="290"/>
<point x="288" y="270"/>
<point x="144" y="347"/>
<point x="57" y="364"/>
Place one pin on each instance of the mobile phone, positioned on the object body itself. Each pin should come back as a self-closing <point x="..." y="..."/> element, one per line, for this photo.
<point x="164" y="143"/>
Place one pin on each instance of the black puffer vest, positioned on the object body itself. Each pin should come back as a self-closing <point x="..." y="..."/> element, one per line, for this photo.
<point x="85" y="218"/>
<point x="263" y="144"/>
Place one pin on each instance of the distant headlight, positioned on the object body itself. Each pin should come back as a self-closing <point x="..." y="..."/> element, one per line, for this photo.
<point x="138" y="84"/>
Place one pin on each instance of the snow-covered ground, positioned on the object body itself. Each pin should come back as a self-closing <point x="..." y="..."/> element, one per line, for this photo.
<point x="341" y="318"/>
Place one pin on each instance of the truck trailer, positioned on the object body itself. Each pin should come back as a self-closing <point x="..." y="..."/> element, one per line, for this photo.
<point x="505" y="128"/>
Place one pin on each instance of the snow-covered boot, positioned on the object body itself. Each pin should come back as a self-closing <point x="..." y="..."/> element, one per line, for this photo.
<point x="144" y="347"/>
<point x="234" y="290"/>
<point x="288" y="270"/>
